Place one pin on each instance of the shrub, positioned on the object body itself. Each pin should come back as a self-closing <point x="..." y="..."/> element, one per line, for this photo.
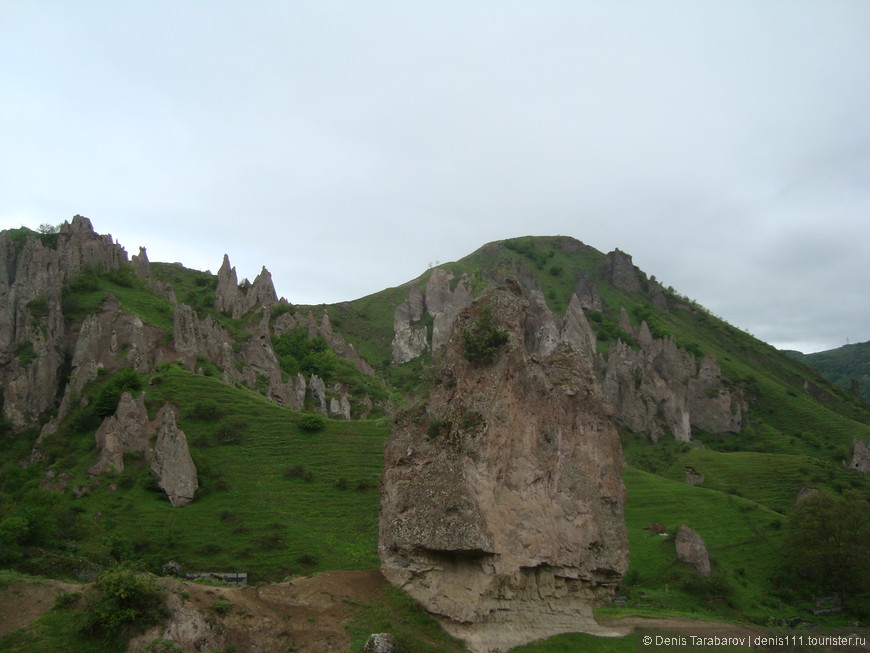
<point x="123" y="600"/>
<point x="24" y="353"/>
<point x="231" y="432"/>
<point x="126" y="380"/>
<point x="483" y="339"/>
<point x="206" y="410"/>
<point x="312" y="423"/>
<point x="298" y="471"/>
<point x="38" y="307"/>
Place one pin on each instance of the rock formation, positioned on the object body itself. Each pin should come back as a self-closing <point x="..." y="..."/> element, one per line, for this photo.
<point x="32" y="337"/>
<point x="659" y="388"/>
<point x="438" y="301"/>
<point x="860" y="458"/>
<point x="234" y="300"/>
<point x="122" y="433"/>
<point x="691" y="550"/>
<point x="173" y="467"/>
<point x="130" y="431"/>
<point x="501" y="500"/>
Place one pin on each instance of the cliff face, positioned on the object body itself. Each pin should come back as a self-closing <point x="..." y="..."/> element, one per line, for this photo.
<point x="501" y="504"/>
<point x="659" y="389"/>
<point x="33" y="271"/>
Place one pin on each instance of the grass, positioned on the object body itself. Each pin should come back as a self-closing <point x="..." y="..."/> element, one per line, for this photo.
<point x="773" y="480"/>
<point x="248" y="516"/>
<point x="741" y="536"/>
<point x="396" y="613"/>
<point x="574" y="642"/>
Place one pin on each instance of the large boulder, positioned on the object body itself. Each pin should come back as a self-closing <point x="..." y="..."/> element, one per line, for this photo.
<point x="691" y="549"/>
<point x="502" y="500"/>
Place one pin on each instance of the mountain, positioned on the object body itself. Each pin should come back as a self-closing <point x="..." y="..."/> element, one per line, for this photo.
<point x="154" y="414"/>
<point x="847" y="366"/>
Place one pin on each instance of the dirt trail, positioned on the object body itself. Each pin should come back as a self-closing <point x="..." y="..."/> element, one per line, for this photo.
<point x="305" y="614"/>
<point x="21" y="603"/>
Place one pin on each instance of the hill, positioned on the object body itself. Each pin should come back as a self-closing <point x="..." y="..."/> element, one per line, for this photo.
<point x="284" y="410"/>
<point x="847" y="366"/>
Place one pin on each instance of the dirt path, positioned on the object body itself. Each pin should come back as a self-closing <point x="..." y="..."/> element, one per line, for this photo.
<point x="21" y="603"/>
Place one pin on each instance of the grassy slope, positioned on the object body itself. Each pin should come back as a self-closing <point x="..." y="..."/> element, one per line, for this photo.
<point x="279" y="502"/>
<point x="842" y="365"/>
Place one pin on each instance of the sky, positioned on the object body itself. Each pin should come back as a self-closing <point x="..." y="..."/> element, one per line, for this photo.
<point x="347" y="146"/>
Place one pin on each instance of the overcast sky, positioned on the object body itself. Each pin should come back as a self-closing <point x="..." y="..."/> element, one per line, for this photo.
<point x="348" y="145"/>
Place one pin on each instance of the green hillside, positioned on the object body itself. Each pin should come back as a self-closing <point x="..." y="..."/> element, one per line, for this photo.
<point x="843" y="365"/>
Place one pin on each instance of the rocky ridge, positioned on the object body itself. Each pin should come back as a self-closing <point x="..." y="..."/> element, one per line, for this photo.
<point x="501" y="500"/>
<point x="656" y="387"/>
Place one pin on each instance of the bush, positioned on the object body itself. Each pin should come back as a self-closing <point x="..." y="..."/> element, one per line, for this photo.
<point x="123" y="600"/>
<point x="24" y="353"/>
<point x="483" y="339"/>
<point x="312" y="422"/>
<point x="206" y="410"/>
<point x="827" y="542"/>
<point x="231" y="432"/>
<point x="126" y="380"/>
<point x="38" y="307"/>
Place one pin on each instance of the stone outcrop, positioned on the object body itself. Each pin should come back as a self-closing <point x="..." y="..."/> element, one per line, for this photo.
<point x="141" y="264"/>
<point x="693" y="476"/>
<point x="235" y="300"/>
<point x="660" y="388"/>
<point x="621" y="272"/>
<point x="130" y="431"/>
<point x="380" y="643"/>
<point x="124" y="432"/>
<point x="111" y="340"/>
<point x="860" y="458"/>
<point x="438" y="301"/>
<point x="691" y="549"/>
<point x="32" y="336"/>
<point x="173" y="467"/>
<point x="501" y="499"/>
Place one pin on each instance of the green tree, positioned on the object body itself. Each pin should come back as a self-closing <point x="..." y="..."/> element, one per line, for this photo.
<point x="827" y="542"/>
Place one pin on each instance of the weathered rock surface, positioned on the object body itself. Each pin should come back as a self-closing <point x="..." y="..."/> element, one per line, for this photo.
<point x="692" y="550"/>
<point x="660" y="389"/>
<point x="440" y="302"/>
<point x="173" y="467"/>
<point x="380" y="643"/>
<point x="502" y="500"/>
<point x="32" y="337"/>
<point x="130" y="431"/>
<point x="122" y="433"/>
<point x="621" y="272"/>
<point x="236" y="300"/>
<point x="860" y="458"/>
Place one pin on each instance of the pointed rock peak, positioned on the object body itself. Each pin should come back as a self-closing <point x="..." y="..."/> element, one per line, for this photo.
<point x="141" y="263"/>
<point x="621" y="272"/>
<point x="644" y="335"/>
<point x="325" y="325"/>
<point x="80" y="223"/>
<point x="625" y="322"/>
